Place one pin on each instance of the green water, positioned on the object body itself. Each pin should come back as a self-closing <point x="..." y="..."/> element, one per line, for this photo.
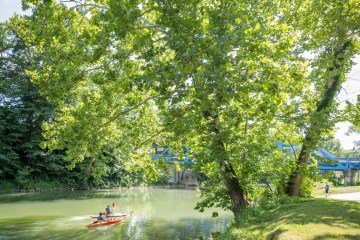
<point x="158" y="214"/>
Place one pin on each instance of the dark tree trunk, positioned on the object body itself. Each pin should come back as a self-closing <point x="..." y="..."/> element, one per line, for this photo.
<point x="237" y="193"/>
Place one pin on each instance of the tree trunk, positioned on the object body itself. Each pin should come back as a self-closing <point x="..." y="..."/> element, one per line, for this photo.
<point x="294" y="184"/>
<point x="332" y="87"/>
<point x="237" y="193"/>
<point x="89" y="166"/>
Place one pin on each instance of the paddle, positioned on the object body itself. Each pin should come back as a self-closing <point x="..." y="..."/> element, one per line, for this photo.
<point x="114" y="207"/>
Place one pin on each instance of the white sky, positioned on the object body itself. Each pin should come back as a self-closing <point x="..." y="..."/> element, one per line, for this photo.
<point x="350" y="88"/>
<point x="8" y="7"/>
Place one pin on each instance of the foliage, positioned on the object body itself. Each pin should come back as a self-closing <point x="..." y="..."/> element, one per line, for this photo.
<point x="331" y="177"/>
<point x="6" y="186"/>
<point x="333" y="146"/>
<point x="226" y="78"/>
<point x="22" y="110"/>
<point x="24" y="165"/>
<point x="214" y="197"/>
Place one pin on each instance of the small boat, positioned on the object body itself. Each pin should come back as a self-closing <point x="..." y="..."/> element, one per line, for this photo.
<point x="112" y="215"/>
<point x="105" y="222"/>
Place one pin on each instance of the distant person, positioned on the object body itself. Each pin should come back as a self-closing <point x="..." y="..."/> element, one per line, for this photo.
<point x="327" y="187"/>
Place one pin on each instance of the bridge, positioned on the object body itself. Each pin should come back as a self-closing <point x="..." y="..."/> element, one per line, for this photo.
<point x="171" y="158"/>
<point x="336" y="163"/>
<point x="349" y="166"/>
<point x="185" y="177"/>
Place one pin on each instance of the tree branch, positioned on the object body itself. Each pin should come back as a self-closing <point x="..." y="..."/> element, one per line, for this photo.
<point x="80" y="4"/>
<point x="291" y="145"/>
<point x="157" y="27"/>
<point x="147" y="140"/>
<point x="129" y="110"/>
<point x="152" y="25"/>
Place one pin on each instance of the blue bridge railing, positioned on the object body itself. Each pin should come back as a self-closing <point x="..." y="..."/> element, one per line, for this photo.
<point x="336" y="163"/>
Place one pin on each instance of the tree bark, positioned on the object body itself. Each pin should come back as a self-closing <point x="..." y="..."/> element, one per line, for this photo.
<point x="332" y="87"/>
<point x="89" y="166"/>
<point x="236" y="192"/>
<point x="294" y="184"/>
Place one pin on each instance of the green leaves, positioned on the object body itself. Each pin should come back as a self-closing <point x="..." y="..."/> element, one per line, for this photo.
<point x="221" y="77"/>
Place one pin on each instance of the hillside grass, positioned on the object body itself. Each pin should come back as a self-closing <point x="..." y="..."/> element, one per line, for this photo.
<point x="311" y="219"/>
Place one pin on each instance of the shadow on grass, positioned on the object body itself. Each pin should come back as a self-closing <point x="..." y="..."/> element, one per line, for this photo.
<point x="302" y="218"/>
<point x="275" y="234"/>
<point x="324" y="211"/>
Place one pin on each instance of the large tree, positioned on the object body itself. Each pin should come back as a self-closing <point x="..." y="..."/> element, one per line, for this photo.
<point x="330" y="31"/>
<point x="211" y="75"/>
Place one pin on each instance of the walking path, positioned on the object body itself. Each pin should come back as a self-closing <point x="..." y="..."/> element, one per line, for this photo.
<point x="347" y="196"/>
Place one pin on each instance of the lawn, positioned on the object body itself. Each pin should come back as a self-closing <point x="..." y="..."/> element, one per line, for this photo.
<point x="312" y="219"/>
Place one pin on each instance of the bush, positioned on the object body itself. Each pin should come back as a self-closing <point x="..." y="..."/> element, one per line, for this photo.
<point x="8" y="186"/>
<point x="23" y="178"/>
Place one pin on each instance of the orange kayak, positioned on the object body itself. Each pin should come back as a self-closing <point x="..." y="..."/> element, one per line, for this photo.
<point x="105" y="222"/>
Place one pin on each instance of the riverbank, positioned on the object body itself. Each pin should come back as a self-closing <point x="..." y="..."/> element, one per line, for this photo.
<point x="319" y="218"/>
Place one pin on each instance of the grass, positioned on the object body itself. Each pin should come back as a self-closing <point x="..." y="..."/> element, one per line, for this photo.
<point x="312" y="219"/>
<point x="319" y="191"/>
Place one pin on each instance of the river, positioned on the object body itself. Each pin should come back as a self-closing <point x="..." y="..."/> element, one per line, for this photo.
<point x="158" y="214"/>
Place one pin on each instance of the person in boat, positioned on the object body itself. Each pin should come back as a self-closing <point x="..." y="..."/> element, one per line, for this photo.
<point x="108" y="212"/>
<point x="100" y="217"/>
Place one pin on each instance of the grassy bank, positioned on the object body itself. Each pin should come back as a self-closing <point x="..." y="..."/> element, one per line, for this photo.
<point x="311" y="219"/>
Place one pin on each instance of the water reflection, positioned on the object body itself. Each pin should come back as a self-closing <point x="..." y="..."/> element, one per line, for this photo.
<point x="158" y="214"/>
<point x="181" y="229"/>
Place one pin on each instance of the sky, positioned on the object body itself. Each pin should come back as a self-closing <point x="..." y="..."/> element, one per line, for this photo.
<point x="349" y="91"/>
<point x="8" y="7"/>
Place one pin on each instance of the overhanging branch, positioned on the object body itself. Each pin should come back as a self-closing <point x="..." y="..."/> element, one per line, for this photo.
<point x="147" y="140"/>
<point x="129" y="110"/>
